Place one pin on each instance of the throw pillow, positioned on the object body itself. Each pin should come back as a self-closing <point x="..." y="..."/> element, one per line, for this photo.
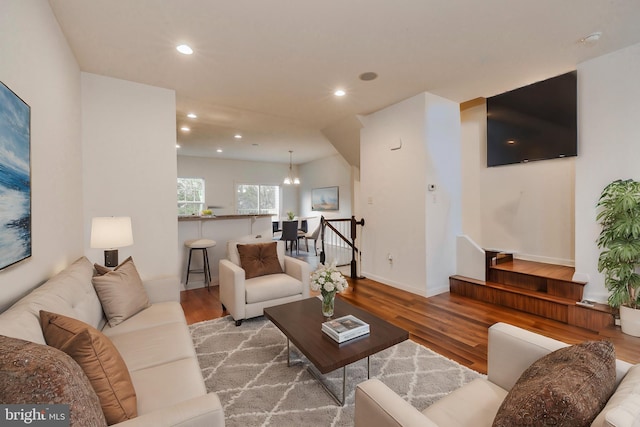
<point x="624" y="402"/>
<point x="99" y="359"/>
<point x="259" y="259"/>
<point x="37" y="374"/>
<point x="121" y="292"/>
<point x="569" y="386"/>
<point x="101" y="269"/>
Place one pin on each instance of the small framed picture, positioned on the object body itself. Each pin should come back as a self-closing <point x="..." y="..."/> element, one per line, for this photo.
<point x="325" y="199"/>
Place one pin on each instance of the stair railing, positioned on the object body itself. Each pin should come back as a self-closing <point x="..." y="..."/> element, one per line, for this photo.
<point x="333" y="238"/>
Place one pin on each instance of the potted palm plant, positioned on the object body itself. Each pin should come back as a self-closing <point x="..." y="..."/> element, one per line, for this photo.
<point x="619" y="240"/>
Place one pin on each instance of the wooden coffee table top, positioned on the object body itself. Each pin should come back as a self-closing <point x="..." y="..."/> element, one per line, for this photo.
<point x="301" y="322"/>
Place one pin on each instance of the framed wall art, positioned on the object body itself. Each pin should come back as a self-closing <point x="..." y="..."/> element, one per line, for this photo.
<point x="15" y="178"/>
<point x="325" y="199"/>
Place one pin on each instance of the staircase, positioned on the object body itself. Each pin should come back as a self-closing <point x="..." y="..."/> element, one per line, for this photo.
<point x="546" y="290"/>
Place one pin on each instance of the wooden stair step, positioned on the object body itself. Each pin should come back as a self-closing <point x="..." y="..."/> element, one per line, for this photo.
<point x="552" y="279"/>
<point x="534" y="294"/>
<point x="519" y="291"/>
<point x="539" y="269"/>
<point x="532" y="301"/>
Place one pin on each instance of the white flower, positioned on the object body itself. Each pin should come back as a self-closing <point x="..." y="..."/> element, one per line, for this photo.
<point x="328" y="279"/>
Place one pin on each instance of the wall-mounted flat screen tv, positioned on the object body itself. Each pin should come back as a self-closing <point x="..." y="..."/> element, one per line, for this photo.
<point x="535" y="122"/>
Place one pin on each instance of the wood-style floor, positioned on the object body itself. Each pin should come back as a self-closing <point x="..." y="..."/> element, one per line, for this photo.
<point x="451" y="325"/>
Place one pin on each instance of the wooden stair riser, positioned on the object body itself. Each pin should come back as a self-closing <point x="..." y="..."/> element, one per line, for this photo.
<point x="511" y="299"/>
<point x="558" y="288"/>
<point x="518" y="280"/>
<point x="564" y="289"/>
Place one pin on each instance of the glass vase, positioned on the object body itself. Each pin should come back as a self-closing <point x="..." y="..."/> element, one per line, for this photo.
<point x="328" y="302"/>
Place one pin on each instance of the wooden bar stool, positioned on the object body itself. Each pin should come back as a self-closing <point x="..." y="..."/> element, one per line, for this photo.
<point x="200" y="245"/>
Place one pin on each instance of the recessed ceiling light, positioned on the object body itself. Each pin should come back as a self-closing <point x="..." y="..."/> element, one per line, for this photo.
<point x="192" y="116"/>
<point x="184" y="49"/>
<point x="185" y="128"/>
<point x="177" y="145"/>
<point x="368" y="76"/>
<point x="237" y="136"/>
<point x="219" y="150"/>
<point x="339" y="92"/>
<point x="511" y="141"/>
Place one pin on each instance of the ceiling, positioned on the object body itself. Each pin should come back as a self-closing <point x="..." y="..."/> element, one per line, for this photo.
<point x="267" y="69"/>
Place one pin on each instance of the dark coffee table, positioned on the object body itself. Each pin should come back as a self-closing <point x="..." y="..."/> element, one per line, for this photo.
<point x="301" y="323"/>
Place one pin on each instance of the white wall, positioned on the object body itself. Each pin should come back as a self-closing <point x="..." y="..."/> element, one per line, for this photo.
<point x="129" y="165"/>
<point x="333" y="171"/>
<point x="403" y="219"/>
<point x="608" y="111"/>
<point x="524" y="208"/>
<point x="37" y="64"/>
<point x="222" y="175"/>
<point x="443" y="205"/>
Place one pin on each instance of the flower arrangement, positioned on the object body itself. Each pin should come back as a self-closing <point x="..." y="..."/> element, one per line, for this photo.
<point x="291" y="215"/>
<point x="328" y="280"/>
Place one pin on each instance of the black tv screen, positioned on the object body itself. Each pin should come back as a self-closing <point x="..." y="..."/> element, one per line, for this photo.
<point x="535" y="122"/>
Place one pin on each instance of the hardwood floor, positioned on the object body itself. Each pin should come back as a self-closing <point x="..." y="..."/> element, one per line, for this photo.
<point x="452" y="325"/>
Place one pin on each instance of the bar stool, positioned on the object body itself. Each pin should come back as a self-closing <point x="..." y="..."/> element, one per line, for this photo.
<point x="200" y="245"/>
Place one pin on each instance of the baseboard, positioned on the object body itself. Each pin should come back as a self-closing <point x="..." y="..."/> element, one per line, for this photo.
<point x="394" y="284"/>
<point x="196" y="284"/>
<point x="438" y="291"/>
<point x="544" y="259"/>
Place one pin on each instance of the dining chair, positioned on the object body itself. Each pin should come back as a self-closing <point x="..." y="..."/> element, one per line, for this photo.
<point x="290" y="234"/>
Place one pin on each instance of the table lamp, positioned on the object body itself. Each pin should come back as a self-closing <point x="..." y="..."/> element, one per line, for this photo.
<point x="110" y="233"/>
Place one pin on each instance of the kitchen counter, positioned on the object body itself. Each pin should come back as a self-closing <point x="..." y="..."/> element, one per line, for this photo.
<point x="219" y="217"/>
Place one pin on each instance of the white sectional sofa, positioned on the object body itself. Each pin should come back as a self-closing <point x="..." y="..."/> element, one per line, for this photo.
<point x="155" y="344"/>
<point x="511" y="351"/>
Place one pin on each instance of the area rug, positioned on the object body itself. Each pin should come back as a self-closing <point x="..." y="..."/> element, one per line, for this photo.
<point x="247" y="367"/>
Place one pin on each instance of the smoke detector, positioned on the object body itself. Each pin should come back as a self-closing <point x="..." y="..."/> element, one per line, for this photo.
<point x="591" y="38"/>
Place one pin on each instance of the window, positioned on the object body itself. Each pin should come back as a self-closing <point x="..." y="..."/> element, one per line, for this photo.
<point x="190" y="196"/>
<point x="257" y="199"/>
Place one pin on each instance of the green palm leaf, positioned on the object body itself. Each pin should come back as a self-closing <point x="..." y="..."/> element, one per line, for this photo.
<point x="619" y="239"/>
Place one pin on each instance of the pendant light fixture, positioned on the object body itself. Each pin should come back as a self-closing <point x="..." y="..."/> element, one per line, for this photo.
<point x="290" y="179"/>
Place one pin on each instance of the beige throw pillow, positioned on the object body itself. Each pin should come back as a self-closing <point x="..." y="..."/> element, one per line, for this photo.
<point x="121" y="292"/>
<point x="100" y="361"/>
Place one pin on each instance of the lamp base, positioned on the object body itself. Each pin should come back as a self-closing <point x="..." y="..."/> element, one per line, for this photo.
<point x="111" y="258"/>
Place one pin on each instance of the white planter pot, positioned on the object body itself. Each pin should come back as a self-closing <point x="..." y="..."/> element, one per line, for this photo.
<point x="630" y="321"/>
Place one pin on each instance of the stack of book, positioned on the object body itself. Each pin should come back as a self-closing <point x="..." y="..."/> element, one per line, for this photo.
<point x="345" y="328"/>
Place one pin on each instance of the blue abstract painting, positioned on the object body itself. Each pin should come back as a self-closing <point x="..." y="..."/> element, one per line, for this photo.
<point x="15" y="178"/>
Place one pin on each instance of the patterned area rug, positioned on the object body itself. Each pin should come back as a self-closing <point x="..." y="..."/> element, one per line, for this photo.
<point x="247" y="367"/>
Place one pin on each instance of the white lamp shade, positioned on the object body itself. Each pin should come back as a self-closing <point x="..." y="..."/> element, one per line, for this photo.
<point x="110" y="232"/>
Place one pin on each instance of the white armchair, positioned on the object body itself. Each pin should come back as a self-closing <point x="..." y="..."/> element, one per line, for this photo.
<point x="511" y="350"/>
<point x="246" y="298"/>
